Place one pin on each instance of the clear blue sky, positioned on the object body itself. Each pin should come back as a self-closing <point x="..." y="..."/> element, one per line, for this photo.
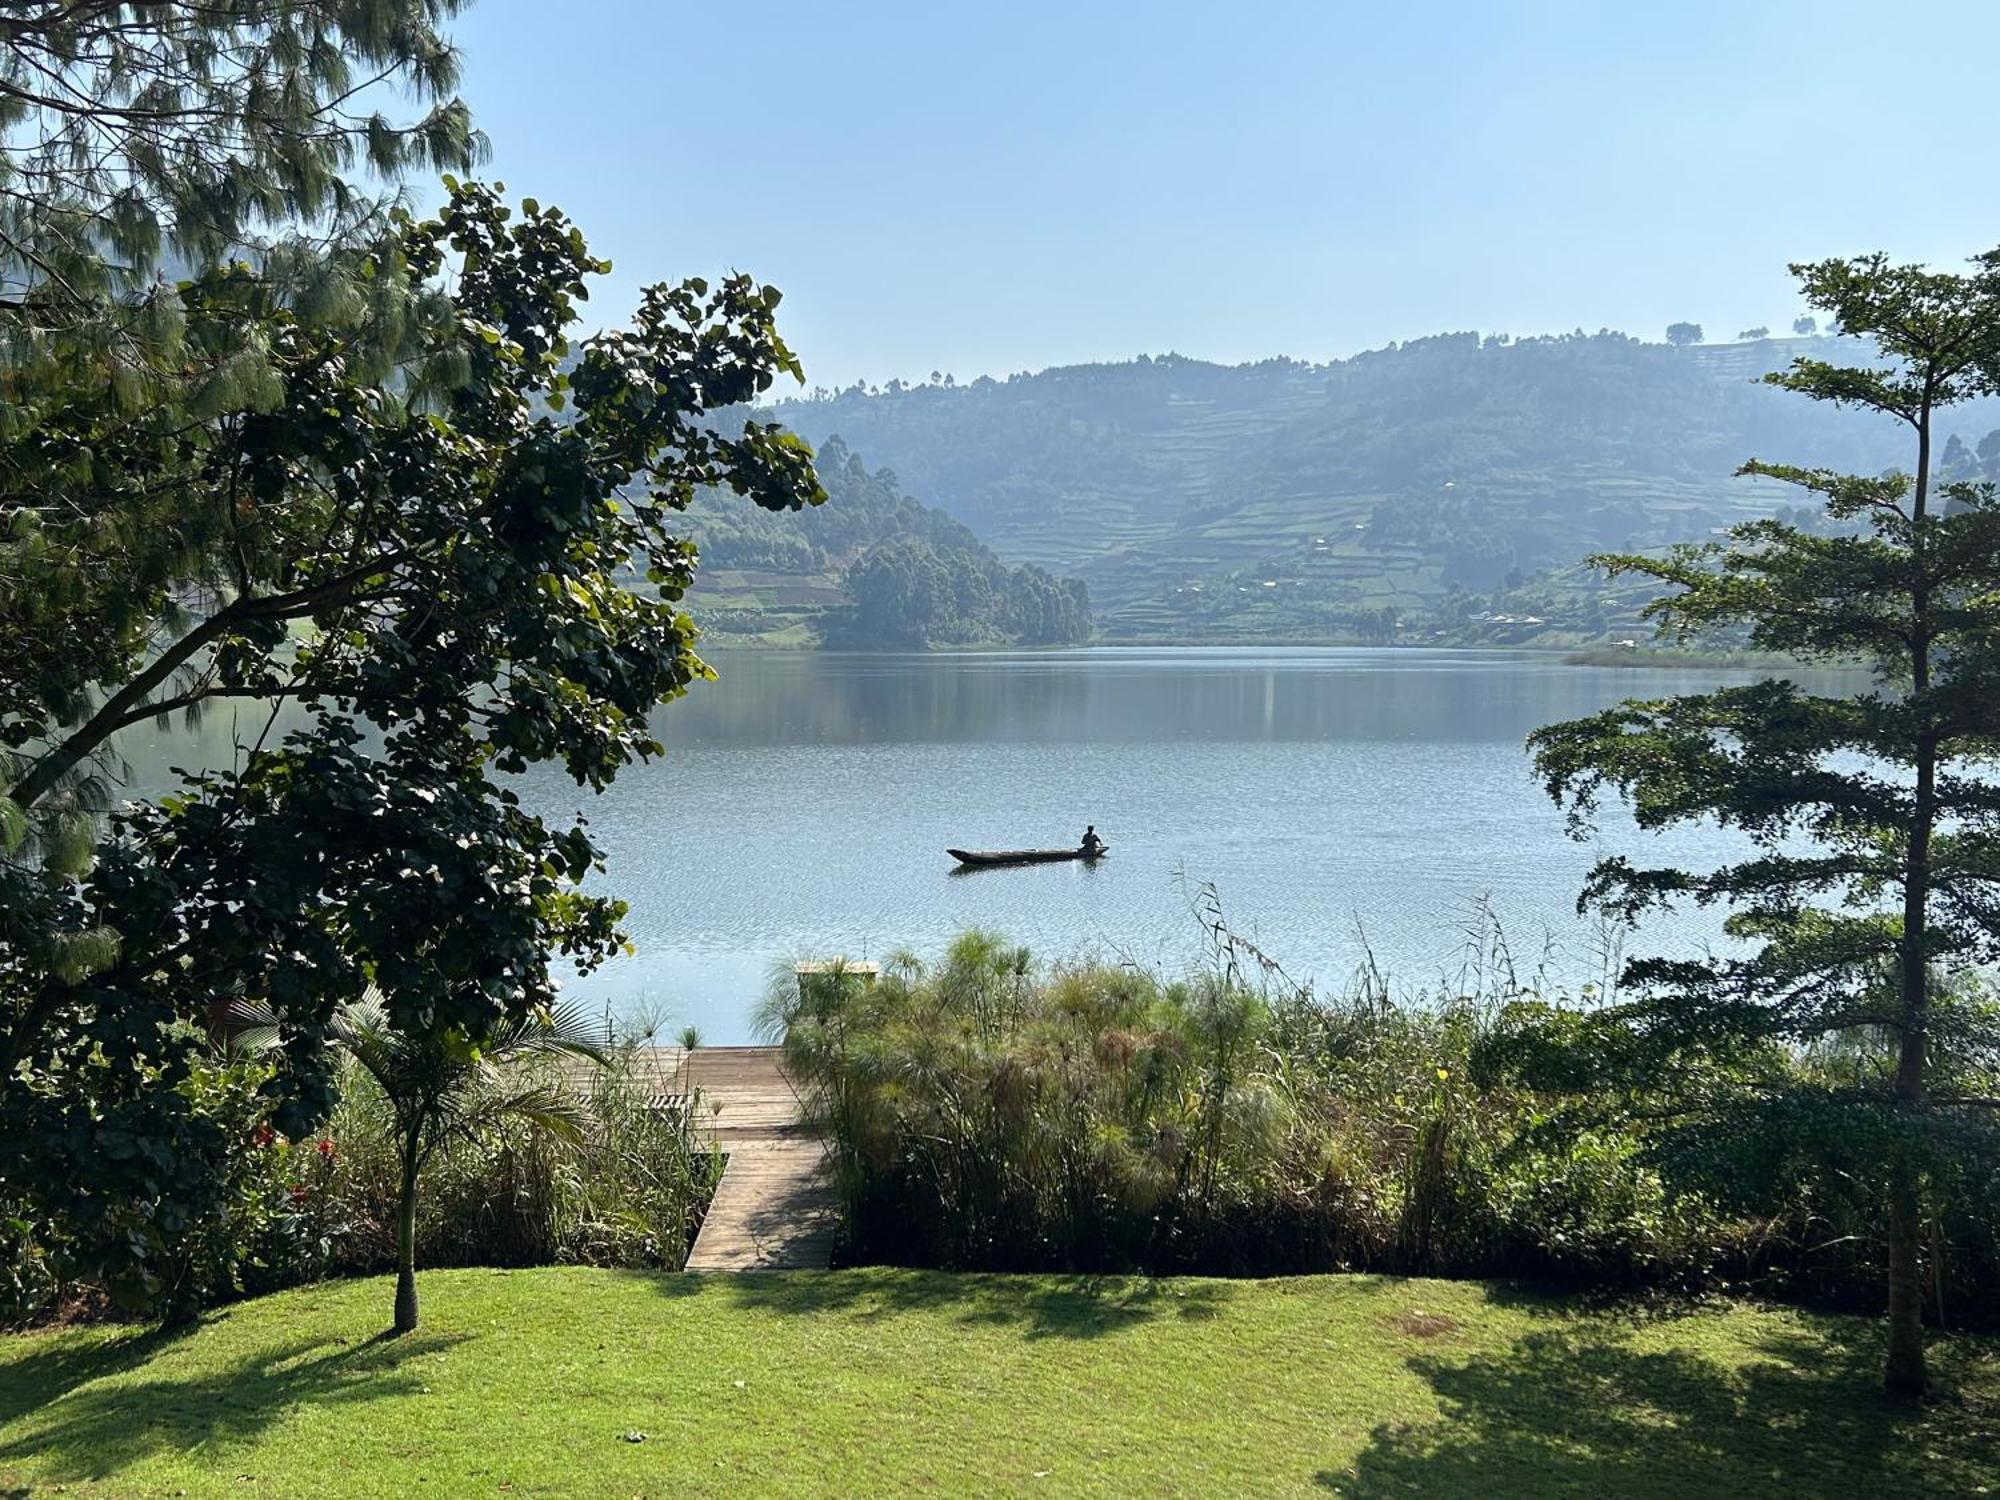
<point x="1006" y="186"/>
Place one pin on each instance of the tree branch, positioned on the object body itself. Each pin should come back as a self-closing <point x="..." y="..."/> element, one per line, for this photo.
<point x="129" y="704"/>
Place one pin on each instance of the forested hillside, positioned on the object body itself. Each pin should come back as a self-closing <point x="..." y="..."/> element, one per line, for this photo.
<point x="1285" y="499"/>
<point x="872" y="568"/>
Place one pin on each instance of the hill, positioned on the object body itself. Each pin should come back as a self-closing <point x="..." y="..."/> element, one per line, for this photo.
<point x="1321" y="500"/>
<point x="870" y="569"/>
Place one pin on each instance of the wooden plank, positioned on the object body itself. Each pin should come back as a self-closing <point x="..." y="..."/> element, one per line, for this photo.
<point x="773" y="1209"/>
<point x="741" y="1088"/>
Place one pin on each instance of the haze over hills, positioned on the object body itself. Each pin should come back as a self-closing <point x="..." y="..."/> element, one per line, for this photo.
<point x="1286" y="499"/>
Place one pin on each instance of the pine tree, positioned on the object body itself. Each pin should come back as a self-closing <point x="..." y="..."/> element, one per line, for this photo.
<point x="153" y="153"/>
<point x="138" y="134"/>
<point x="1874" y="872"/>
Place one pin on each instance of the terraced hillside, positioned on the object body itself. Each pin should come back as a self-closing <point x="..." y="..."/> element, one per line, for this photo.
<point x="1379" y="482"/>
<point x="871" y="568"/>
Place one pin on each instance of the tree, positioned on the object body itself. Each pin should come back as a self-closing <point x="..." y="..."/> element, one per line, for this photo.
<point x="1680" y="335"/>
<point x="911" y="593"/>
<point x="293" y="506"/>
<point x="143" y="142"/>
<point x="134" y="128"/>
<point x="1805" y="326"/>
<point x="903" y="596"/>
<point x="439" y="1094"/>
<point x="458" y="561"/>
<point x="1874" y="871"/>
<point x="1752" y="335"/>
<point x="1988" y="451"/>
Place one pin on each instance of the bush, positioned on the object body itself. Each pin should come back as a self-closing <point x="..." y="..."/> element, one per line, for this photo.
<point x="205" y="1208"/>
<point x="987" y="1113"/>
<point x="631" y="1193"/>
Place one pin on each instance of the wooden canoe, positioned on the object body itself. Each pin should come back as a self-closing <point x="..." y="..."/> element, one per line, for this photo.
<point x="1023" y="856"/>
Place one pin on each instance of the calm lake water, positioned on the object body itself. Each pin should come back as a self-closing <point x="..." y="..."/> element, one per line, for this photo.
<point x="1343" y="803"/>
<point x="1334" y="798"/>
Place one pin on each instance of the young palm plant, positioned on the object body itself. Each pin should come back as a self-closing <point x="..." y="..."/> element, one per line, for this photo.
<point x="439" y="1093"/>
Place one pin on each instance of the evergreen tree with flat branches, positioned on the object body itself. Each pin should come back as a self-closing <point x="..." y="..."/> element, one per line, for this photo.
<point x="1872" y="877"/>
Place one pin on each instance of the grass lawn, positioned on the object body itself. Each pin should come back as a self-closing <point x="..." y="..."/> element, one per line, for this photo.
<point x="873" y="1382"/>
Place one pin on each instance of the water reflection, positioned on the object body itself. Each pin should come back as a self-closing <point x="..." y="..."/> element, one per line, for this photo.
<point x="1346" y="803"/>
<point x="1099" y="696"/>
<point x="807" y="800"/>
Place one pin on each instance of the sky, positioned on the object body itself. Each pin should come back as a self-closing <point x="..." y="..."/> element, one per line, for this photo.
<point x="981" y="189"/>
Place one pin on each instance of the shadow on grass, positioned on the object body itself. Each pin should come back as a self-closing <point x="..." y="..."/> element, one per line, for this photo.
<point x="1562" y="1413"/>
<point x="57" y="1365"/>
<point x="1071" y="1307"/>
<point x="70" y="1417"/>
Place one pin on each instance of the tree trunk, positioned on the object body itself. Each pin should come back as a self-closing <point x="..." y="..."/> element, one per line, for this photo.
<point x="406" y="1248"/>
<point x="1903" y="1374"/>
<point x="1903" y="1371"/>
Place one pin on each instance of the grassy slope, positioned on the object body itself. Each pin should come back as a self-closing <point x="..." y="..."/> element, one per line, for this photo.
<point x="866" y="1382"/>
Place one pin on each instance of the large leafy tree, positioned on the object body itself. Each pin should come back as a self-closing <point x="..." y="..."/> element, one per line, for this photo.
<point x="456" y="555"/>
<point x="1872" y="866"/>
<point x="140" y="144"/>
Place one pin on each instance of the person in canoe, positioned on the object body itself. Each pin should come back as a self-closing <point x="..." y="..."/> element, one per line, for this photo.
<point x="1092" y="845"/>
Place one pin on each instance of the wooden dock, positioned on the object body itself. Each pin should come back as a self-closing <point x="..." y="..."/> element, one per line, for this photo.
<point x="774" y="1209"/>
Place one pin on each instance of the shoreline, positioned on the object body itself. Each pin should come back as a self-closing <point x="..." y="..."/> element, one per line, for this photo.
<point x="1637" y="658"/>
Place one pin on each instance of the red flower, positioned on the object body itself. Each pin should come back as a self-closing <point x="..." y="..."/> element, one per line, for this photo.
<point x="262" y="1136"/>
<point x="324" y="1146"/>
<point x="298" y="1192"/>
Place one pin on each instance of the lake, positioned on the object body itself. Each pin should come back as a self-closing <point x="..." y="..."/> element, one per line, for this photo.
<point x="1341" y="802"/>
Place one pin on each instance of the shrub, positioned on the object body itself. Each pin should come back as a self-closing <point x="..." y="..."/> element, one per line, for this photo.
<point x="989" y="1113"/>
<point x="631" y="1192"/>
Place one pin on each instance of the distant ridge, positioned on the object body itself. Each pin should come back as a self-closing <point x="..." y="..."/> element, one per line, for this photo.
<point x="1381" y="482"/>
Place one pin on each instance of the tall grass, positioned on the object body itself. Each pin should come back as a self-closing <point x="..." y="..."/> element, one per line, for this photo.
<point x="989" y="1112"/>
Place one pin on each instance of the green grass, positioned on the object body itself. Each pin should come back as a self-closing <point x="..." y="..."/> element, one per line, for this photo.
<point x="532" y="1383"/>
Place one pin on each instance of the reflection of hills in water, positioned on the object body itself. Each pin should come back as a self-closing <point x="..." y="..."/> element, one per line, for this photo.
<point x="1107" y="696"/>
